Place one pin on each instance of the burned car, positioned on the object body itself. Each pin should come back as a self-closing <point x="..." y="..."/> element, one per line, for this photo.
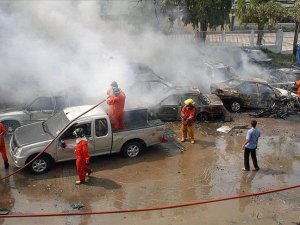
<point x="207" y="105"/>
<point x="245" y="93"/>
<point x="284" y="78"/>
<point x="257" y="56"/>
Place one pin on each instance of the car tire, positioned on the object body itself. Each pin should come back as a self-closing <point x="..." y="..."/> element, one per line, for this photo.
<point x="203" y="116"/>
<point x="132" y="149"/>
<point x="40" y="165"/>
<point x="10" y="125"/>
<point x="235" y="106"/>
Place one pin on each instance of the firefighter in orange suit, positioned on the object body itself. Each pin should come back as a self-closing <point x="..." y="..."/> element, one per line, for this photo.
<point x="116" y="102"/>
<point x="82" y="155"/>
<point x="188" y="114"/>
<point x="2" y="146"/>
<point x="298" y="90"/>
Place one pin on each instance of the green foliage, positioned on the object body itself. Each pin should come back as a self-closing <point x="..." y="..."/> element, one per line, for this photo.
<point x="210" y="12"/>
<point x="294" y="12"/>
<point x="278" y="59"/>
<point x="263" y="12"/>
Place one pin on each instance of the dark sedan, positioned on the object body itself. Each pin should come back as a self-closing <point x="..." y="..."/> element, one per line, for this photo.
<point x="207" y="105"/>
<point x="243" y="93"/>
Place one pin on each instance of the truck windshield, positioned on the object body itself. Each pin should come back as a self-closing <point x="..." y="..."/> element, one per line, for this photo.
<point x="56" y="123"/>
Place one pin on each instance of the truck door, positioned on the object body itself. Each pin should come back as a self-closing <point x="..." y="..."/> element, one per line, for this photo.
<point x="69" y="139"/>
<point x="41" y="109"/>
<point x="169" y="108"/>
<point x="103" y="136"/>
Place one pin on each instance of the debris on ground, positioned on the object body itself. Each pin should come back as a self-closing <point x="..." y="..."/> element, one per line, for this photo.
<point x="77" y="206"/>
<point x="281" y="108"/>
<point x="3" y="211"/>
<point x="227" y="129"/>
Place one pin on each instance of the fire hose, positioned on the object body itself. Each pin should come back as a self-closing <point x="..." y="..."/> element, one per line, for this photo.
<point x="179" y="205"/>
<point x="50" y="143"/>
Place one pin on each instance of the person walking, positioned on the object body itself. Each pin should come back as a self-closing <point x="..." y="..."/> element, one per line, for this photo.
<point x="82" y="155"/>
<point x="2" y="146"/>
<point x="250" y="145"/>
<point x="116" y="101"/>
<point x="188" y="114"/>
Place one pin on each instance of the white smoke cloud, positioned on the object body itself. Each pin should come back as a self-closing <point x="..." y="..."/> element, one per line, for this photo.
<point x="50" y="46"/>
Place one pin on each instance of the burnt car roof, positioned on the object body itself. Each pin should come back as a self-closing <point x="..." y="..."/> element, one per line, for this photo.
<point x="250" y="79"/>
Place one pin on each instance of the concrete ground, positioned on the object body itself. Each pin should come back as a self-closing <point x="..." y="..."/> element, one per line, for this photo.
<point x="164" y="175"/>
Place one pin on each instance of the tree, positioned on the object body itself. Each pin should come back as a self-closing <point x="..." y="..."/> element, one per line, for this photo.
<point x="261" y="12"/>
<point x="206" y="13"/>
<point x="294" y="12"/>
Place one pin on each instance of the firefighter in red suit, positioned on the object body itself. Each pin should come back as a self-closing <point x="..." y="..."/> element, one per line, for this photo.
<point x="116" y="102"/>
<point x="188" y="114"/>
<point x="82" y="155"/>
<point x="2" y="146"/>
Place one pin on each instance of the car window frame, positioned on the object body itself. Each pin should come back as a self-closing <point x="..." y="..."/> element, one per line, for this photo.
<point x="106" y="127"/>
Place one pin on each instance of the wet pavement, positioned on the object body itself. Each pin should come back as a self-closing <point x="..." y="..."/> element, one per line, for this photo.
<point x="164" y="175"/>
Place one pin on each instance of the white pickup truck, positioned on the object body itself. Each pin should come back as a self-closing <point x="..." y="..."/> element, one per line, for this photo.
<point x="27" y="141"/>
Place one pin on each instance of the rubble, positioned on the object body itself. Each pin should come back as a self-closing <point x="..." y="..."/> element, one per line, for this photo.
<point x="281" y="108"/>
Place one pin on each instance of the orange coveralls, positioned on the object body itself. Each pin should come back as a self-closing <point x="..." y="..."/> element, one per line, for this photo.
<point x="116" y="110"/>
<point x="298" y="90"/>
<point x="82" y="158"/>
<point x="190" y="114"/>
<point x="2" y="143"/>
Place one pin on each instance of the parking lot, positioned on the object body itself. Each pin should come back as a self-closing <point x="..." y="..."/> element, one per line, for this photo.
<point x="163" y="175"/>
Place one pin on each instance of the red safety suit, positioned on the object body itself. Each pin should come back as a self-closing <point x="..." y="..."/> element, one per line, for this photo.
<point x="298" y="90"/>
<point x="82" y="158"/>
<point x="116" y="110"/>
<point x="2" y="143"/>
<point x="187" y="129"/>
<point x="187" y="113"/>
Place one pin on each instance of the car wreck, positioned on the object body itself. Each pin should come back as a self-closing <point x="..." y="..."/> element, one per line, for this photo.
<point x="281" y="108"/>
<point x="241" y="93"/>
<point x="207" y="105"/>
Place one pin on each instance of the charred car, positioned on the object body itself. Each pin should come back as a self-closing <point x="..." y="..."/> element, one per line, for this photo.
<point x="284" y="78"/>
<point x="257" y="56"/>
<point x="207" y="105"/>
<point x="245" y="93"/>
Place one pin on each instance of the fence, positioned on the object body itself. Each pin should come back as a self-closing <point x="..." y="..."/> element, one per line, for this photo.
<point x="276" y="41"/>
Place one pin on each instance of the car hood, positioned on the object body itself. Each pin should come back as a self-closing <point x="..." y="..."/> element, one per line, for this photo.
<point x="222" y="86"/>
<point x="31" y="134"/>
<point x="286" y="93"/>
<point x="11" y="112"/>
<point x="213" y="99"/>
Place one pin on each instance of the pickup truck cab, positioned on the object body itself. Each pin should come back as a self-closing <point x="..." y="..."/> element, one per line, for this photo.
<point x="27" y="141"/>
<point x="39" y="109"/>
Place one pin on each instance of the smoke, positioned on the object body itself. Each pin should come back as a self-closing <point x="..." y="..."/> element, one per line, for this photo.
<point x="52" y="47"/>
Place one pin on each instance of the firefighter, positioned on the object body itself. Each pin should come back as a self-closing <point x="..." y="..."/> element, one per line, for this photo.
<point x="116" y="102"/>
<point x="109" y="91"/>
<point x="188" y="114"/>
<point x="2" y="146"/>
<point x="82" y="155"/>
<point x="298" y="90"/>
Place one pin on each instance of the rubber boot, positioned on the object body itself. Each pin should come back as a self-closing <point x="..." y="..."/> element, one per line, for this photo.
<point x="6" y="164"/>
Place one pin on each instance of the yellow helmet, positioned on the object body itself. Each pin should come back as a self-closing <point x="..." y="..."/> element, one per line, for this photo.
<point x="189" y="102"/>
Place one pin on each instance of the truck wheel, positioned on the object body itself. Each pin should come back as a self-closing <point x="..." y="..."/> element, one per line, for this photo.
<point x="235" y="106"/>
<point x="11" y="125"/>
<point x="132" y="149"/>
<point x="203" y="116"/>
<point x="40" y="165"/>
